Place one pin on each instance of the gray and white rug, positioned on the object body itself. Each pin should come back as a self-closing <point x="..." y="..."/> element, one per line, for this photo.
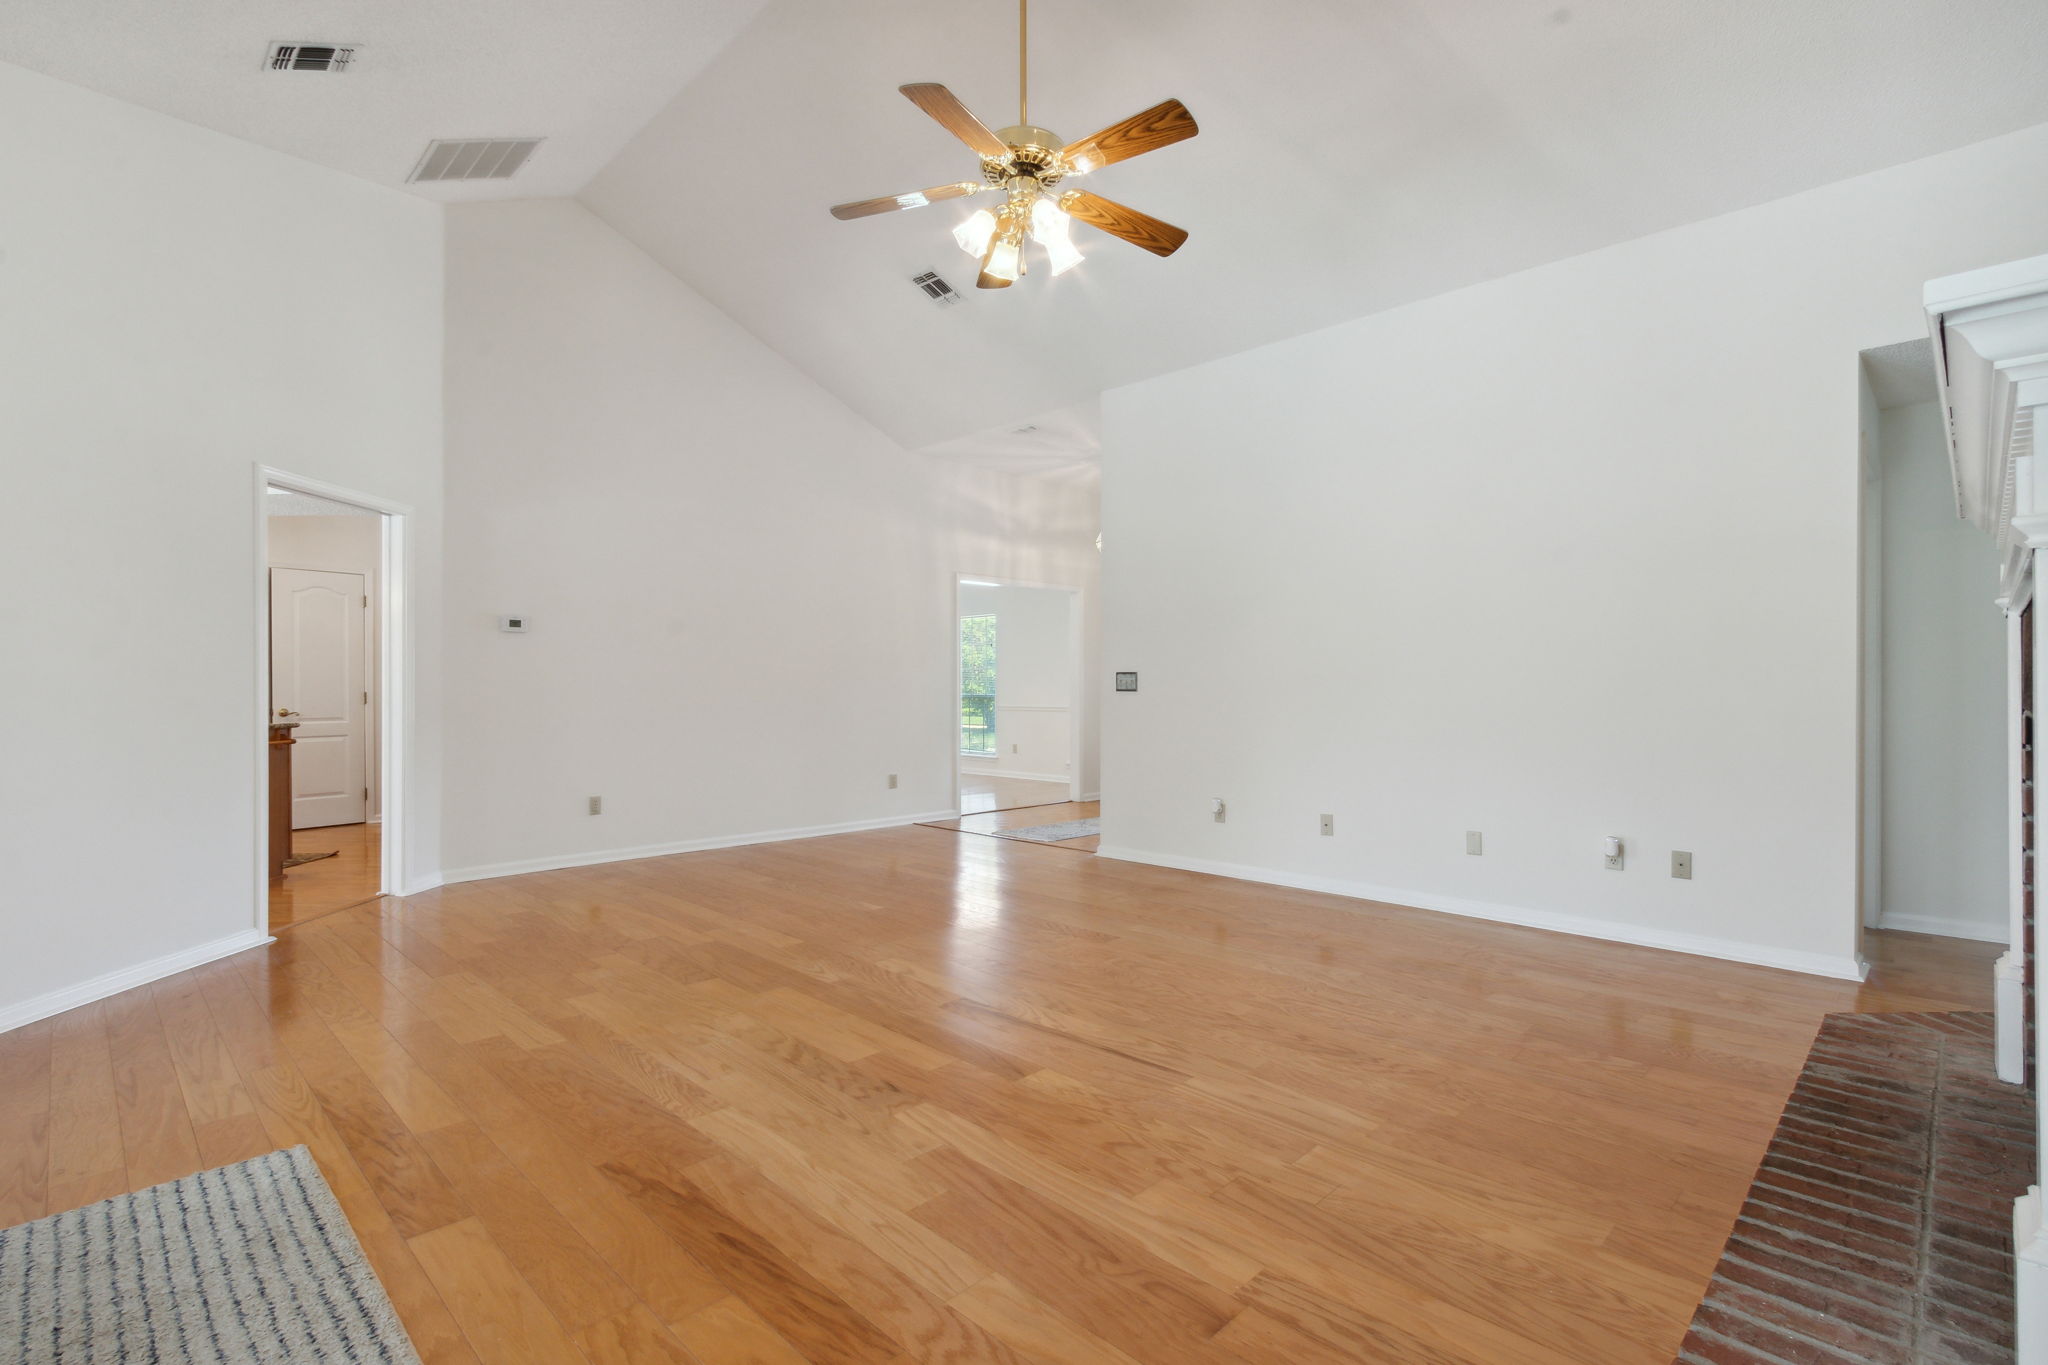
<point x="252" y="1262"/>
<point x="1052" y="834"/>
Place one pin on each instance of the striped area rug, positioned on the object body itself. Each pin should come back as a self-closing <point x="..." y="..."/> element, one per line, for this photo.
<point x="252" y="1262"/>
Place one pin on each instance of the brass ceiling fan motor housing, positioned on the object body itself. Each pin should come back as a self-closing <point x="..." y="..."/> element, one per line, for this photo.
<point x="1034" y="152"/>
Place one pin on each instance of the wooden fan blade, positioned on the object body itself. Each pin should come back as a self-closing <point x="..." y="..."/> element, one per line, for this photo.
<point x="1160" y="126"/>
<point x="1118" y="220"/>
<point x="957" y="119"/>
<point x="916" y="199"/>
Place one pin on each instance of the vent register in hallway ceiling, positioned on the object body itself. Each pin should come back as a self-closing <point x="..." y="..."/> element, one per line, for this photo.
<point x="1025" y="162"/>
<point x="483" y="158"/>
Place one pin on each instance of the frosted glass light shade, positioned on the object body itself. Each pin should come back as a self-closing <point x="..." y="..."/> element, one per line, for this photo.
<point x="974" y="232"/>
<point x="1049" y="228"/>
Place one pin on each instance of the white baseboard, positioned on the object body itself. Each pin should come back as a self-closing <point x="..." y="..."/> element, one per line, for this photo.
<point x="1089" y="796"/>
<point x="622" y="855"/>
<point x="128" y="978"/>
<point x="1060" y="778"/>
<point x="1846" y="968"/>
<point x="1947" y="928"/>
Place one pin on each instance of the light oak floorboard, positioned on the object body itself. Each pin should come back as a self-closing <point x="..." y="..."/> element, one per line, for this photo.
<point x="918" y="1096"/>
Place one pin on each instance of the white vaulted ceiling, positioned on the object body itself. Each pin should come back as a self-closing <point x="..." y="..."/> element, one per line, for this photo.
<point x="1353" y="156"/>
<point x="585" y="75"/>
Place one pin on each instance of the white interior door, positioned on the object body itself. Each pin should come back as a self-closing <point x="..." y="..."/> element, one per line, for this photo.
<point x="319" y="676"/>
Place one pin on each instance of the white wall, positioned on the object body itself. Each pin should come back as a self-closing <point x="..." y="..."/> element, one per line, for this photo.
<point x="1568" y="554"/>
<point x="1944" y="800"/>
<point x="741" y="594"/>
<point x="1034" y="680"/>
<point x="177" y="307"/>
<point x="343" y="544"/>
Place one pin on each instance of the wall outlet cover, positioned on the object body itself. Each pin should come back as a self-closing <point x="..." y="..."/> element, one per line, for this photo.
<point x="1681" y="865"/>
<point x="1475" y="842"/>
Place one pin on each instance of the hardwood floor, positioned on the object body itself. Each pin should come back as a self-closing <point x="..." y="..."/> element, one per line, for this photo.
<point x="311" y="890"/>
<point x="907" y="1096"/>
<point x="988" y="792"/>
<point x="1023" y="818"/>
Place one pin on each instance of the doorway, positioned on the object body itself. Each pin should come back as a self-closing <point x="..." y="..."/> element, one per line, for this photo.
<point x="1017" y="732"/>
<point x="1936" y="713"/>
<point x="324" y="653"/>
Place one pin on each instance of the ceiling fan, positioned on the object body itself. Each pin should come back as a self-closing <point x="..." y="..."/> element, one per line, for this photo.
<point x="1025" y="162"/>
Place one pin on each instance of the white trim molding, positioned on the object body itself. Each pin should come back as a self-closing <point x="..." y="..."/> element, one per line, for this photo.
<point x="1057" y="779"/>
<point x="1843" y="968"/>
<point x="1945" y="928"/>
<point x="128" y="978"/>
<point x="2009" y="1000"/>
<point x="623" y="855"/>
<point x="2008" y="993"/>
<point x="2030" y="1287"/>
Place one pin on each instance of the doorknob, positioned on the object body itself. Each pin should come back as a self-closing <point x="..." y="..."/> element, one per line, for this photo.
<point x="282" y="712"/>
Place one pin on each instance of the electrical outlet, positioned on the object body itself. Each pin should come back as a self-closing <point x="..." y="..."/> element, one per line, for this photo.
<point x="1013" y="748"/>
<point x="1475" y="843"/>
<point x="892" y="782"/>
<point x="1216" y="808"/>
<point x="1616" y="854"/>
<point x="597" y="805"/>
<point x="1329" y="824"/>
<point x="1681" y="865"/>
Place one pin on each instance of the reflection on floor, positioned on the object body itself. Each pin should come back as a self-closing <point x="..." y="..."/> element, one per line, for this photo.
<point x="988" y="822"/>
<point x="987" y="791"/>
<point x="314" y="889"/>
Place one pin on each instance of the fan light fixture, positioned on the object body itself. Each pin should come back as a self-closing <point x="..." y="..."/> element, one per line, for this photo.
<point x="1024" y="162"/>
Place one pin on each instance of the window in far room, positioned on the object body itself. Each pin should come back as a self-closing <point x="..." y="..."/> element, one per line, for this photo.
<point x="978" y="685"/>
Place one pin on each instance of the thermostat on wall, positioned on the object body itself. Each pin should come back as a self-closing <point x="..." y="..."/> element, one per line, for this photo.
<point x="515" y="625"/>
<point x="1126" y="682"/>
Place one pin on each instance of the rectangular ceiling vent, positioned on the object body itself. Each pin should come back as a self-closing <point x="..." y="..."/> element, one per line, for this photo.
<point x="936" y="289"/>
<point x="475" y="158"/>
<point x="310" y="57"/>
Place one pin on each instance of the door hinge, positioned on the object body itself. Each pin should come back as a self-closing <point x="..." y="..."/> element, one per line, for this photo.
<point x="366" y="599"/>
<point x="366" y="793"/>
<point x="366" y="698"/>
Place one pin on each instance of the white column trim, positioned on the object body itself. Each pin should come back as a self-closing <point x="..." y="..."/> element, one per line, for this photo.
<point x="2008" y="986"/>
<point x="2030" y="1279"/>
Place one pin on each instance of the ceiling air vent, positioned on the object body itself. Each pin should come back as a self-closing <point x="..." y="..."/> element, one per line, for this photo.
<point x="475" y="159"/>
<point x="310" y="57"/>
<point x="936" y="289"/>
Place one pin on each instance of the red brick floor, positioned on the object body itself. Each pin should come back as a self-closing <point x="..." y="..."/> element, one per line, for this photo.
<point x="1879" y="1228"/>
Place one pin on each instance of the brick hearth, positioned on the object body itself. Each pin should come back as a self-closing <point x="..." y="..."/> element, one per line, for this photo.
<point x="1879" y="1228"/>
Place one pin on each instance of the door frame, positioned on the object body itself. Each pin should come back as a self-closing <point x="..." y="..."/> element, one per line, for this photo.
<point x="394" y="674"/>
<point x="1076" y="676"/>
